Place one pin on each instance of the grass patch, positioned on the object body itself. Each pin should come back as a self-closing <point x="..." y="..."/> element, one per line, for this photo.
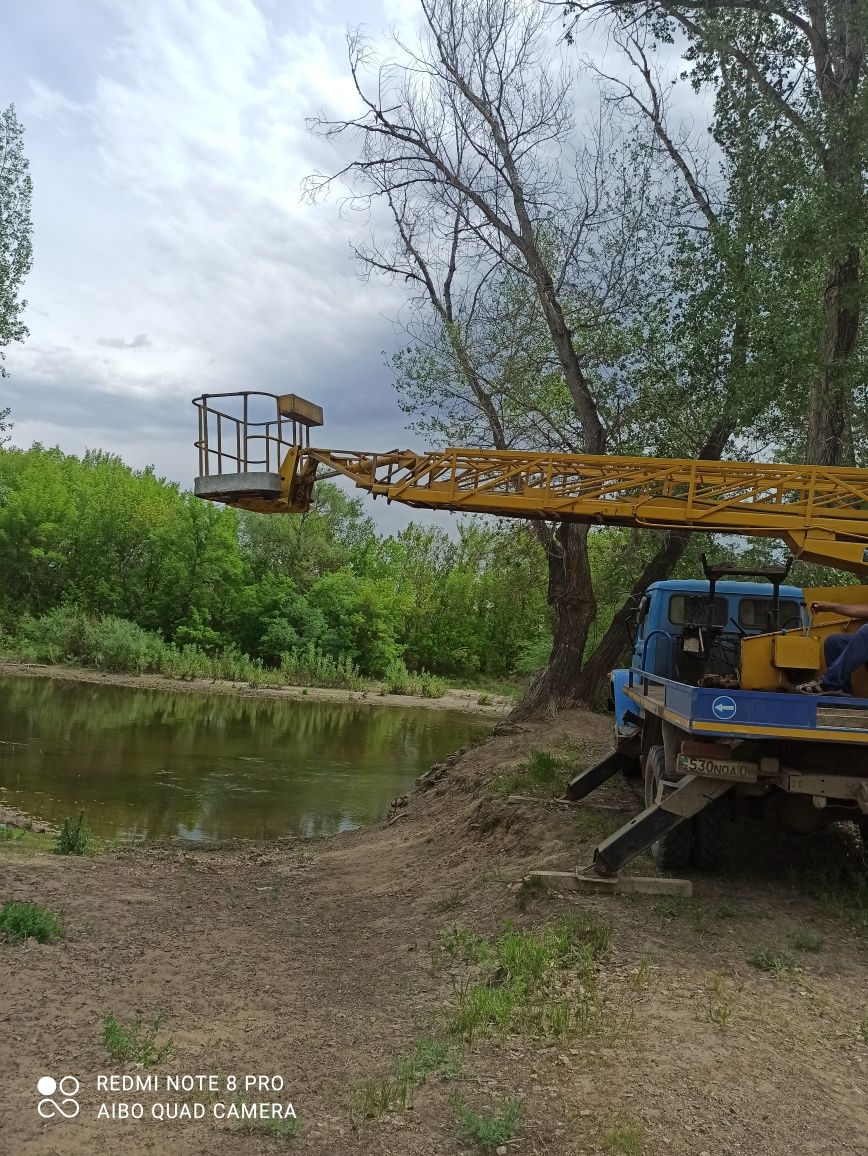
<point x="74" y="837"/>
<point x="840" y="887"/>
<point x="862" y="1030"/>
<point x="20" y="921"/>
<point x="543" y="774"/>
<point x="489" y="1130"/>
<point x="775" y="961"/>
<point x="704" y="919"/>
<point x="282" y="1129"/>
<point x="399" y="680"/>
<point x="458" y="943"/>
<point x="484" y="700"/>
<point x="804" y="940"/>
<point x="136" y="1044"/>
<point x="719" y="1003"/>
<point x="625" y="1139"/>
<point x="372" y="1098"/>
<point x="449" y="902"/>
<point x="20" y="839"/>
<point x="592" y="826"/>
<point x="524" y="989"/>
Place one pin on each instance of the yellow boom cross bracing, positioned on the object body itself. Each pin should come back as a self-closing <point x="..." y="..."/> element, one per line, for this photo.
<point x="820" y="512"/>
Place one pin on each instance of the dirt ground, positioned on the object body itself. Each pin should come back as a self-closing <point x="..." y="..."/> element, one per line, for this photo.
<point x="322" y="962"/>
<point x="466" y="701"/>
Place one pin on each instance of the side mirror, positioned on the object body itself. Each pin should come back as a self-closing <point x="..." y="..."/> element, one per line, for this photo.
<point x="638" y="614"/>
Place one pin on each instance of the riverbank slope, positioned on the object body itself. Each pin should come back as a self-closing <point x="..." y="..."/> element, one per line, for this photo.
<point x="378" y="973"/>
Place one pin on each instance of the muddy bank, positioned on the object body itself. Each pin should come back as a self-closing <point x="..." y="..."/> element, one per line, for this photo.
<point x="465" y="701"/>
<point x="330" y="962"/>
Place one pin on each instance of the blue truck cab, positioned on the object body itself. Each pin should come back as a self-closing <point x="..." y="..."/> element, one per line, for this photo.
<point x="671" y="630"/>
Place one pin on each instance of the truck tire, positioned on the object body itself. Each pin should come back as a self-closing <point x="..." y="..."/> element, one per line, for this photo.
<point x="711" y="836"/>
<point x="672" y="852"/>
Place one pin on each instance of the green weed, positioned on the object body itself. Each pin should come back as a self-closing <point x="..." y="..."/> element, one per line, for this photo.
<point x="399" y="680"/>
<point x="20" y="839"/>
<point x="839" y="888"/>
<point x="312" y="667"/>
<point x="282" y="1129"/>
<point x="517" y="993"/>
<point x="591" y="825"/>
<point x="373" y="1097"/>
<point x="137" y="1043"/>
<point x="804" y="940"/>
<point x="449" y="902"/>
<point x="484" y="700"/>
<point x="20" y="920"/>
<point x="74" y="838"/>
<point x="489" y="1129"/>
<point x="460" y="944"/>
<point x="774" y="960"/>
<point x="642" y="975"/>
<point x="625" y="1139"/>
<point x="862" y="1030"/>
<point x="543" y="774"/>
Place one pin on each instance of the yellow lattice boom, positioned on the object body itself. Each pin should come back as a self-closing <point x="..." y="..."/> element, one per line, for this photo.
<point x="820" y="512"/>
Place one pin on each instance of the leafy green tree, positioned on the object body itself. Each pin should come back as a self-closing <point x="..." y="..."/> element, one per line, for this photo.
<point x="335" y="533"/>
<point x="16" y="229"/>
<point x="802" y="82"/>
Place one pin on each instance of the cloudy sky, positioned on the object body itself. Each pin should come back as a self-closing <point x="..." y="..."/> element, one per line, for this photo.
<point x="173" y="253"/>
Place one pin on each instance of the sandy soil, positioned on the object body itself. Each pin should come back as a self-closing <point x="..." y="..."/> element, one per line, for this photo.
<point x="320" y="962"/>
<point x="466" y="701"/>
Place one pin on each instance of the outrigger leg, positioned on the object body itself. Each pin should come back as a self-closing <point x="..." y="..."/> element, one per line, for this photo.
<point x="622" y="758"/>
<point x="688" y="798"/>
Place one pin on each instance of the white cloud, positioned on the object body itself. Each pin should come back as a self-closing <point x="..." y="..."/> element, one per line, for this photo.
<point x="177" y="216"/>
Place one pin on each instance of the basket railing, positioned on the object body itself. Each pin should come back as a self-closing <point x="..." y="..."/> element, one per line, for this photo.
<point x="233" y="443"/>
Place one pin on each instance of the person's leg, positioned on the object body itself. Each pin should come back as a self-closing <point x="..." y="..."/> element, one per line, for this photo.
<point x="844" y="654"/>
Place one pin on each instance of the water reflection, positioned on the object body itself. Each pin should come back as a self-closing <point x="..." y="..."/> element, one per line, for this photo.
<point x="153" y="764"/>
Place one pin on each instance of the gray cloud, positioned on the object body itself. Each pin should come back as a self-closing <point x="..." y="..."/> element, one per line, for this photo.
<point x="140" y="341"/>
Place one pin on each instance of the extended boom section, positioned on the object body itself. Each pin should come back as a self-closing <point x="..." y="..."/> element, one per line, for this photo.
<point x="820" y="512"/>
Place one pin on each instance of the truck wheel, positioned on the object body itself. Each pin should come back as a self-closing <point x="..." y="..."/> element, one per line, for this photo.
<point x="672" y="852"/>
<point x="711" y="836"/>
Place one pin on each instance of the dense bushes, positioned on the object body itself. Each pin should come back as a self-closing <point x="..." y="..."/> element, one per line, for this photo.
<point x="120" y="570"/>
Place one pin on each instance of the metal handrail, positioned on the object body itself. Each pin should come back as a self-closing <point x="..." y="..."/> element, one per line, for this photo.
<point x="255" y="443"/>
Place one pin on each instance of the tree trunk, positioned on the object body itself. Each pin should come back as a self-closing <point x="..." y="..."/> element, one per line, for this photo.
<point x="830" y="403"/>
<point x="567" y="681"/>
<point x="590" y="686"/>
<point x="571" y="594"/>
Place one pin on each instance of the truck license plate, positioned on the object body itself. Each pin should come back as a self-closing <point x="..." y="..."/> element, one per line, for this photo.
<point x="717" y="768"/>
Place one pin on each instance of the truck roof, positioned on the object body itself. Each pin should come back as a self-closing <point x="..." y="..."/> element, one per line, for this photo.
<point x="700" y="586"/>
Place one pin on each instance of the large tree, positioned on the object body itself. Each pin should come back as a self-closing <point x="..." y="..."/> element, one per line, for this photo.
<point x="471" y="140"/>
<point x="804" y="63"/>
<point x="571" y="297"/>
<point x="15" y="232"/>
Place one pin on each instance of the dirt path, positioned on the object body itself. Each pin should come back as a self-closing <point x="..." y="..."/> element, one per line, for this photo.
<point x="466" y="701"/>
<point x="323" y="962"/>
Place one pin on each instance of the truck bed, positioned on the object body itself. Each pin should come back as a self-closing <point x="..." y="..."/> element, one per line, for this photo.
<point x="765" y="715"/>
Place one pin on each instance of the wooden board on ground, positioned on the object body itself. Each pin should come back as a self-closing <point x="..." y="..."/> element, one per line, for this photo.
<point x="614" y="884"/>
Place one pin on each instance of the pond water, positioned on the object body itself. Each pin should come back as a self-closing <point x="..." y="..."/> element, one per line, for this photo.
<point x="152" y="764"/>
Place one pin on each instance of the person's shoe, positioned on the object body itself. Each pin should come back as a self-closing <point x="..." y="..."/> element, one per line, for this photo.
<point x="817" y="686"/>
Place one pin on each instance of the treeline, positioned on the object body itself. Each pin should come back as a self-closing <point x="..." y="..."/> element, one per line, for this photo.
<point x="117" y="568"/>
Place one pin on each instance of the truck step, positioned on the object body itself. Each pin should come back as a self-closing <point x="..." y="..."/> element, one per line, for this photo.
<point x="621" y="758"/>
<point x="688" y="798"/>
